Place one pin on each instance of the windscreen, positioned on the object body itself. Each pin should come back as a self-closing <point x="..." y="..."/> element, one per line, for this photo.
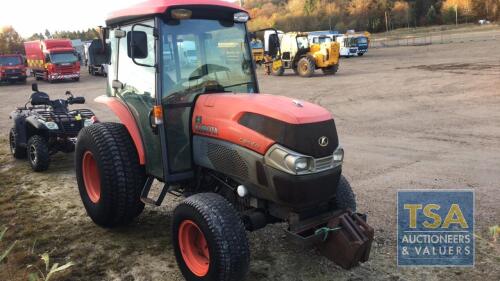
<point x="10" y="60"/>
<point x="256" y="44"/>
<point x="362" y="40"/>
<point x="63" y="58"/>
<point x="201" y="55"/>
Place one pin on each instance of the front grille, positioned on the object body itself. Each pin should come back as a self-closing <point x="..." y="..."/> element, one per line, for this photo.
<point x="227" y="160"/>
<point x="71" y="128"/>
<point x="325" y="163"/>
<point x="13" y="71"/>
<point x="65" y="69"/>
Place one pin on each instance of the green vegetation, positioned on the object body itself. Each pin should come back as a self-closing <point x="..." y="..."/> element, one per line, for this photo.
<point x="8" y="250"/>
<point x="40" y="275"/>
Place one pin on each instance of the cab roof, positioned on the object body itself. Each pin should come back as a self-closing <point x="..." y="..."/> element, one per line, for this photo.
<point x="155" y="7"/>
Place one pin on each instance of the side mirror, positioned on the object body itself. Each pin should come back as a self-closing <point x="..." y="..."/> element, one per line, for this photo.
<point x="137" y="42"/>
<point x="34" y="87"/>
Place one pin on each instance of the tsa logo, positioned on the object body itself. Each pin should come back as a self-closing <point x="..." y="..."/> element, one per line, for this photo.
<point x="435" y="228"/>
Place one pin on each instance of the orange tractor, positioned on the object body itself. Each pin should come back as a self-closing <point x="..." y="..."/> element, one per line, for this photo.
<point x="183" y="84"/>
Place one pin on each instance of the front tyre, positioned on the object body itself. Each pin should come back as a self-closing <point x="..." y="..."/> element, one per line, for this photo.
<point x="109" y="175"/>
<point x="331" y="70"/>
<point x="306" y="66"/>
<point x="345" y="197"/>
<point x="17" y="151"/>
<point x="209" y="238"/>
<point x="38" y="153"/>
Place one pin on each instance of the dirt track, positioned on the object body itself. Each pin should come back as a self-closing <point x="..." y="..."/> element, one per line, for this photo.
<point x="409" y="117"/>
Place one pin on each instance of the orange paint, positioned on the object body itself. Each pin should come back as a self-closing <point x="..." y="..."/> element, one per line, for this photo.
<point x="222" y="111"/>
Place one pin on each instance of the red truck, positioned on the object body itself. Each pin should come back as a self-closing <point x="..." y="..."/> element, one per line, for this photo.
<point x="12" y="68"/>
<point x="52" y="59"/>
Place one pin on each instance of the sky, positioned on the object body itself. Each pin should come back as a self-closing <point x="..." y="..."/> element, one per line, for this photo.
<point x="34" y="16"/>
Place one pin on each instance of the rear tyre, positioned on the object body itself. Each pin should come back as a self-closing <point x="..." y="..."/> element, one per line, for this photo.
<point x="277" y="72"/>
<point x="330" y="70"/>
<point x="360" y="54"/>
<point x="38" y="153"/>
<point x="17" y="151"/>
<point x="306" y="67"/>
<point x="210" y="241"/>
<point x="345" y="197"/>
<point x="109" y="175"/>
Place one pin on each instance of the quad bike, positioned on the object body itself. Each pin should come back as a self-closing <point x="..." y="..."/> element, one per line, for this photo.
<point x="242" y="159"/>
<point x="46" y="127"/>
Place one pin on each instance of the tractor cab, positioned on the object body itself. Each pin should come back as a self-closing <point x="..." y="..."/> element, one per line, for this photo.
<point x="160" y="65"/>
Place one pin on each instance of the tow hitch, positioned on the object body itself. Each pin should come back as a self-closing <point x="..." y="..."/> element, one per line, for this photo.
<point x="345" y="238"/>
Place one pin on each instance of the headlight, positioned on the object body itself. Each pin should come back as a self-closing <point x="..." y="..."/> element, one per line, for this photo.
<point x="87" y="122"/>
<point x="241" y="17"/>
<point x="298" y="163"/>
<point x="50" y="125"/>
<point x="338" y="155"/>
<point x="288" y="161"/>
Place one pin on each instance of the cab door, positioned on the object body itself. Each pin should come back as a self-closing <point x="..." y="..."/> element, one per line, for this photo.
<point x="134" y="81"/>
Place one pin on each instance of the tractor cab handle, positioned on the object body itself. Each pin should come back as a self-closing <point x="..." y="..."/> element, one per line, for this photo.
<point x="151" y="121"/>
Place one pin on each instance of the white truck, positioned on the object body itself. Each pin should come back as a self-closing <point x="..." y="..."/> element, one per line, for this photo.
<point x="348" y="47"/>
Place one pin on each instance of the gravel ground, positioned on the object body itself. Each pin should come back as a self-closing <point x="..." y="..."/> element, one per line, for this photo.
<point x="408" y="117"/>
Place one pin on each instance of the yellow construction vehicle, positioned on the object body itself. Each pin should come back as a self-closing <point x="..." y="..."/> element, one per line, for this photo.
<point x="292" y="50"/>
<point x="257" y="51"/>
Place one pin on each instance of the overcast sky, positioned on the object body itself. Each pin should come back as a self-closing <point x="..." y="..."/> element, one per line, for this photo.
<point x="34" y="16"/>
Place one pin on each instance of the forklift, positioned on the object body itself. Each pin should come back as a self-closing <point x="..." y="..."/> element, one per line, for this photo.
<point x="293" y="50"/>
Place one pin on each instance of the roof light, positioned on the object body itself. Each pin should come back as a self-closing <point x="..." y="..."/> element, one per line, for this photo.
<point x="241" y="17"/>
<point x="181" y="14"/>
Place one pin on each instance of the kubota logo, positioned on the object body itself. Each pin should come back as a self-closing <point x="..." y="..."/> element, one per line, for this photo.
<point x="323" y="141"/>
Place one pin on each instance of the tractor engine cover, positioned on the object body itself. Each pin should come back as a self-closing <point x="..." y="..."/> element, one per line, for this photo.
<point x="257" y="121"/>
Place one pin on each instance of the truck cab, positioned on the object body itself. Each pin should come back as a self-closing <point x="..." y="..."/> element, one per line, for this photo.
<point x="53" y="59"/>
<point x="12" y="68"/>
<point x="348" y="46"/>
<point x="361" y="42"/>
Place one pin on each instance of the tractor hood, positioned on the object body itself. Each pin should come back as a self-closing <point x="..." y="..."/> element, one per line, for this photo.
<point x="257" y="121"/>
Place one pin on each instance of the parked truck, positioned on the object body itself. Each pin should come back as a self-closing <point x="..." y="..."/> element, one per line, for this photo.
<point x="52" y="59"/>
<point x="97" y="61"/>
<point x="12" y="68"/>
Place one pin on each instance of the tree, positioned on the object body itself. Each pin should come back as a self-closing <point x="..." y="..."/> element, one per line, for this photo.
<point x="10" y="41"/>
<point x="431" y="16"/>
<point x="47" y="34"/>
<point x="400" y="13"/>
<point x="36" y="36"/>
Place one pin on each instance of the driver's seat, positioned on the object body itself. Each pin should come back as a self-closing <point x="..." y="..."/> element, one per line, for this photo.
<point x="40" y="98"/>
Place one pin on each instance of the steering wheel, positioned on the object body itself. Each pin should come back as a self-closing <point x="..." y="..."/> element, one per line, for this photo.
<point x="206" y="69"/>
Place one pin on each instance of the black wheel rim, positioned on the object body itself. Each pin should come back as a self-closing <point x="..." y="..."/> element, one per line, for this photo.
<point x="33" y="156"/>
<point x="12" y="141"/>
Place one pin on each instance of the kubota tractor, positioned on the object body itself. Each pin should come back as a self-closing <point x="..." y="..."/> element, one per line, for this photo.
<point x="292" y="50"/>
<point x="242" y="159"/>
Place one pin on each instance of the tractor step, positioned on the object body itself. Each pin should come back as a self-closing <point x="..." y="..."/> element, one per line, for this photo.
<point x="345" y="238"/>
<point x="145" y="193"/>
